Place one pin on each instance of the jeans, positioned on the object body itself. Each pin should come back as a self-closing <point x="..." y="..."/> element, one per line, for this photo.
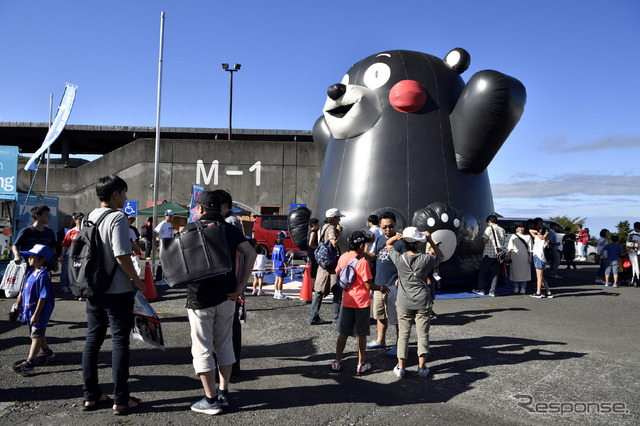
<point x="316" y="302"/>
<point x="489" y="268"/>
<point x="115" y="311"/>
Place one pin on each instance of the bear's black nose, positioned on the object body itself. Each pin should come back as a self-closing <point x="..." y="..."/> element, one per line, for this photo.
<point x="336" y="91"/>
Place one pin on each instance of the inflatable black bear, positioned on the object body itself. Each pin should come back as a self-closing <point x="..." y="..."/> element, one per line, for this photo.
<point x="403" y="133"/>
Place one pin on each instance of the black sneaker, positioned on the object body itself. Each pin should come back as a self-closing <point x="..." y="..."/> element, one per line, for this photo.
<point x="18" y="365"/>
<point x="26" y="369"/>
<point x="537" y="295"/>
<point x="45" y="357"/>
<point x="223" y="398"/>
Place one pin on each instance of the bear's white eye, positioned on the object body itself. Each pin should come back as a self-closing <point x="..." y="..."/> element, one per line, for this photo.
<point x="377" y="75"/>
<point x="456" y="223"/>
<point x="431" y="222"/>
<point x="445" y="217"/>
<point x="345" y="79"/>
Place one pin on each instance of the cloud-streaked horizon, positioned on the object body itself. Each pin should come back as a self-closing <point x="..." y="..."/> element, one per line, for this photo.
<point x="570" y="184"/>
<point x="562" y="144"/>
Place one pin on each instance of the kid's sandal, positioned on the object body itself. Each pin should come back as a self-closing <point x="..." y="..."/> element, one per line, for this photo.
<point x="336" y="365"/>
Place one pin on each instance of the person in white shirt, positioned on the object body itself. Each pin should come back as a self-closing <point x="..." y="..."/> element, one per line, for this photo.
<point x="165" y="228"/>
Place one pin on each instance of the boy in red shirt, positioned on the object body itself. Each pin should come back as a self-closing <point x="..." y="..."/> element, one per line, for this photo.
<point x="356" y="302"/>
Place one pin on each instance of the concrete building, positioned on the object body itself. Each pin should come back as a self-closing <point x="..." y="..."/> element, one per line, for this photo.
<point x="258" y="167"/>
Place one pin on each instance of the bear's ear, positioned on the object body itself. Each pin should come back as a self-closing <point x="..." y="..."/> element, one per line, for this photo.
<point x="458" y="59"/>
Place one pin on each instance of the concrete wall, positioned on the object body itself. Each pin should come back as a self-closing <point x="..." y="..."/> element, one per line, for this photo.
<point x="256" y="173"/>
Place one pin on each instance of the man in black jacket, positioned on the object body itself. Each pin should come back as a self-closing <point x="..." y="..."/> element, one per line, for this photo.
<point x="211" y="308"/>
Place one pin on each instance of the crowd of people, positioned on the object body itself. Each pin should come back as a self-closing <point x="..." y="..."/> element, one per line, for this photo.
<point x="387" y="273"/>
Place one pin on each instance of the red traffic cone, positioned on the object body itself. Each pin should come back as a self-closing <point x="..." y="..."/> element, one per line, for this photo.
<point x="150" y="293"/>
<point x="306" y="291"/>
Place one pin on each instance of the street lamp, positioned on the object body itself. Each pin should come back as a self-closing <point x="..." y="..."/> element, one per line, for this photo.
<point x="236" y="67"/>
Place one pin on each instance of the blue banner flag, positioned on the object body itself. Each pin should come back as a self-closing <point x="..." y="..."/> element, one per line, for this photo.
<point x="64" y="110"/>
<point x="195" y="193"/>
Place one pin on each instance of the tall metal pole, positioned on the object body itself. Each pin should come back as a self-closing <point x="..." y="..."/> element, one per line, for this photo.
<point x="230" y="100"/>
<point x="46" y="175"/>
<point x="157" y="155"/>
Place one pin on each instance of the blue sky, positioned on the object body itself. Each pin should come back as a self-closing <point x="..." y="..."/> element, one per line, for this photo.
<point x="576" y="150"/>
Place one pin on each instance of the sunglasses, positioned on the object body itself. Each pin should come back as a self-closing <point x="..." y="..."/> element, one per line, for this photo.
<point x="388" y="227"/>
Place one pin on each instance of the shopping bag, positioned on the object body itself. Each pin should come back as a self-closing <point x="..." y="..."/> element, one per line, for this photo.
<point x="13" y="278"/>
<point x="146" y="324"/>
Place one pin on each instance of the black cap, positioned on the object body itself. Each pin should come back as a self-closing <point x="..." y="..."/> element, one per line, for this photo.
<point x="357" y="237"/>
<point x="209" y="200"/>
<point x="77" y="216"/>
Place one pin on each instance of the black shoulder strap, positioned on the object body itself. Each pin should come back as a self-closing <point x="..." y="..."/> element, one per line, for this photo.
<point x="523" y="242"/>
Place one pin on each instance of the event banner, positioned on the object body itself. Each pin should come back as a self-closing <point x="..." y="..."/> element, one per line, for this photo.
<point x="195" y="193"/>
<point x="8" y="169"/>
<point x="64" y="110"/>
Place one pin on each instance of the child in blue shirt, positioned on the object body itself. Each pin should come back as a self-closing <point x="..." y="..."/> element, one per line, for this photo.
<point x="35" y="303"/>
<point x="279" y="258"/>
<point x="611" y="255"/>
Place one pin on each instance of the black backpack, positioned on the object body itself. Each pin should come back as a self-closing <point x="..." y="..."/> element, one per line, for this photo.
<point x="87" y="274"/>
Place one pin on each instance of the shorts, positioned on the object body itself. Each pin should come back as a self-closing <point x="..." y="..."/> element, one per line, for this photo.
<point x="36" y="332"/>
<point x="280" y="272"/>
<point x="211" y="331"/>
<point x="384" y="306"/>
<point x="353" y="321"/>
<point x="612" y="268"/>
<point x="258" y="274"/>
<point x="538" y="263"/>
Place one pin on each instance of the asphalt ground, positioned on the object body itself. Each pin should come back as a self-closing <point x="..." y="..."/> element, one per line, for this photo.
<point x="573" y="359"/>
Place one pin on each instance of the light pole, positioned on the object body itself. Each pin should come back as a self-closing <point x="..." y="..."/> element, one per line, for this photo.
<point x="236" y="67"/>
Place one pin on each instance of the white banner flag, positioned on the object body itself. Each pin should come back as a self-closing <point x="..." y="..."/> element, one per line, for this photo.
<point x="64" y="110"/>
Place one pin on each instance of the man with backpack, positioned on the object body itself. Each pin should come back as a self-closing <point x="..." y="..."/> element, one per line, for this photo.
<point x="326" y="277"/>
<point x="114" y="307"/>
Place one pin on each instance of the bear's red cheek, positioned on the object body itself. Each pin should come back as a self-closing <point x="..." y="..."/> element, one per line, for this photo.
<point x="407" y="96"/>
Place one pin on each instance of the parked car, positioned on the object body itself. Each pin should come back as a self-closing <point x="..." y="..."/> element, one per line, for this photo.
<point x="510" y="223"/>
<point x="265" y="232"/>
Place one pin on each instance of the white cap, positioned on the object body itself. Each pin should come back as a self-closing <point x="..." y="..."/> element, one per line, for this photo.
<point x="333" y="213"/>
<point x="411" y="235"/>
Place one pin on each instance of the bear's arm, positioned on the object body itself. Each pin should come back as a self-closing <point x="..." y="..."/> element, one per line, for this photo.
<point x="487" y="111"/>
<point x="321" y="136"/>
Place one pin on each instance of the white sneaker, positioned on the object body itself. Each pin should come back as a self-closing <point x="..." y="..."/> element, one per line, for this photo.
<point x="254" y="292"/>
<point x="399" y="372"/>
<point x="492" y="293"/>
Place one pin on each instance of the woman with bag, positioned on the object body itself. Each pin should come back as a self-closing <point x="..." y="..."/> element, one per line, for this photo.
<point x="414" y="298"/>
<point x="519" y="257"/>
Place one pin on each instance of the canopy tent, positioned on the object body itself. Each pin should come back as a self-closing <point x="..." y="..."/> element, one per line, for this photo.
<point x="178" y="210"/>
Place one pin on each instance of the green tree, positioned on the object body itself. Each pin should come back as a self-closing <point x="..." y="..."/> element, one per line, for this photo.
<point x="624" y="229"/>
<point x="571" y="223"/>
